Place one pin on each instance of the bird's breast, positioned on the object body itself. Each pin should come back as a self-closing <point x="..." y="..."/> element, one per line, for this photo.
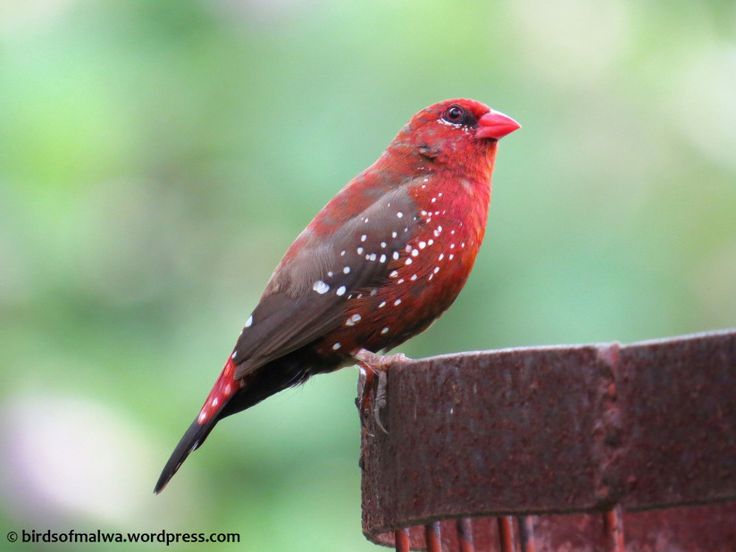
<point x="426" y="274"/>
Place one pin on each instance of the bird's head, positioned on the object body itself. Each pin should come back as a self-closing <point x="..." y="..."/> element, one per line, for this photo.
<point x="454" y="131"/>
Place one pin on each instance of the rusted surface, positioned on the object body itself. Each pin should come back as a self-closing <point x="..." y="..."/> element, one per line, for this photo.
<point x="433" y="536"/>
<point x="561" y="430"/>
<point x="526" y="534"/>
<point x="465" y="535"/>
<point x="402" y="539"/>
<point x="507" y="534"/>
<point x="613" y="521"/>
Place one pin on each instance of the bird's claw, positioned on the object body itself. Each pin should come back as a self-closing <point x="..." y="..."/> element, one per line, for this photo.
<point x="380" y="400"/>
<point x="376" y="368"/>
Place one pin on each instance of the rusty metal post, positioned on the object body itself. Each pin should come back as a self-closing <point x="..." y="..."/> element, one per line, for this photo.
<point x="594" y="447"/>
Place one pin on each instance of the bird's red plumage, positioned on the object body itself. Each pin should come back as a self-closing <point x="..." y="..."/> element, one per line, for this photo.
<point x="377" y="265"/>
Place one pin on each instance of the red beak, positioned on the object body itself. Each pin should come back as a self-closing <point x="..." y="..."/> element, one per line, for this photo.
<point x="495" y="124"/>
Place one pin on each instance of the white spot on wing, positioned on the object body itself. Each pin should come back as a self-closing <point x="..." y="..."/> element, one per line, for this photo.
<point x="341" y="290"/>
<point x="320" y="287"/>
<point x="353" y="320"/>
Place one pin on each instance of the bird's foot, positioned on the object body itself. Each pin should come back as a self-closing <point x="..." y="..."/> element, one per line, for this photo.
<point x="375" y="368"/>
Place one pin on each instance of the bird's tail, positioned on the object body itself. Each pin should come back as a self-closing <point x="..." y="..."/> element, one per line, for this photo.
<point x="229" y="396"/>
<point x="220" y="395"/>
<point x="190" y="441"/>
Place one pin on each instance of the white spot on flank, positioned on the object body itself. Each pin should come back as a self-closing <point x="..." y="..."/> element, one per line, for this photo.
<point x="442" y="256"/>
<point x="360" y="250"/>
<point x="383" y="304"/>
<point x="394" y="234"/>
<point x="382" y="258"/>
<point x="249" y="322"/>
<point x="336" y="346"/>
<point x="346" y="270"/>
<point x="400" y="281"/>
<point x="413" y="277"/>
<point x="436" y="269"/>
<point x="434" y="199"/>
<point x="393" y="274"/>
<point x="408" y="261"/>
<point x="399" y="214"/>
<point x="363" y="237"/>
<point x="384" y="330"/>
<point x="414" y="252"/>
<point x="439" y="194"/>
<point x="430" y="276"/>
<point x="373" y="257"/>
<point x="320" y="287"/>
<point x="452" y="256"/>
<point x="422" y="245"/>
<point x="353" y="320"/>
<point x="396" y="255"/>
<point x="407" y="248"/>
<point x="342" y="253"/>
<point x="452" y="232"/>
<point x="397" y="302"/>
<point x="452" y="246"/>
<point x="329" y="274"/>
<point x="430" y="242"/>
<point x="365" y="220"/>
<point x="374" y="292"/>
<point x="341" y="290"/>
<point x="383" y="245"/>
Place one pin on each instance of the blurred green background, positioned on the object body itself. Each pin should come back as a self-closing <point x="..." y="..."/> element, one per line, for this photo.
<point x="157" y="158"/>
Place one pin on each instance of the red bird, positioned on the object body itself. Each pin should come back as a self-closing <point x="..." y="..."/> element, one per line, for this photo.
<point x="376" y="266"/>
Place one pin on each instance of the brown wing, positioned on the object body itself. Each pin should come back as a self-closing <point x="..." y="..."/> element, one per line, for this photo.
<point x="307" y="295"/>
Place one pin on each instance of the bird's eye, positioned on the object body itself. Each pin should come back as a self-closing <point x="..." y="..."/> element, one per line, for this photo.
<point x="454" y="114"/>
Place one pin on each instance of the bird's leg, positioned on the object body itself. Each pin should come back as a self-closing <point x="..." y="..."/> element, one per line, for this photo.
<point x="375" y="367"/>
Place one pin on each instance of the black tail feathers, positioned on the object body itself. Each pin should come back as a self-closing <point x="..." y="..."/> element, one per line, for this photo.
<point x="285" y="372"/>
<point x="190" y="441"/>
